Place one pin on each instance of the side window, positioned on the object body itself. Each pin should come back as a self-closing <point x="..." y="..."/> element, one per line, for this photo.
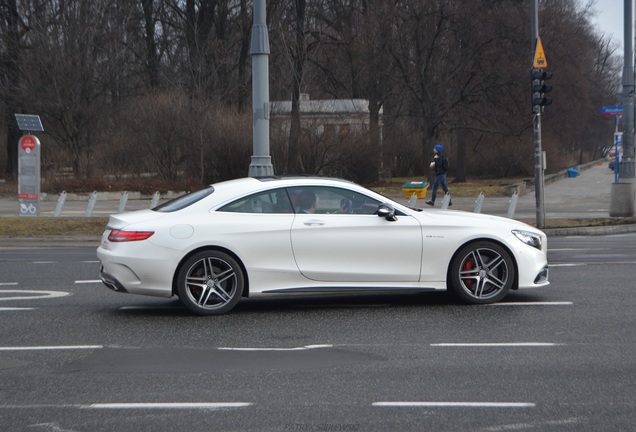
<point x="274" y="201"/>
<point x="330" y="200"/>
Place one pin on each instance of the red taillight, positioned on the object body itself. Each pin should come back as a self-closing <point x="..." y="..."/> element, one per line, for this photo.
<point x="127" y="236"/>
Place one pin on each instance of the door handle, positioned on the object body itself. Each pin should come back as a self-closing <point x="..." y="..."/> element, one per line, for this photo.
<point x="312" y="222"/>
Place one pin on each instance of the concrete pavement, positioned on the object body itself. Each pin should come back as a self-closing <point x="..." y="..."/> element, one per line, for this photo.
<point x="586" y="196"/>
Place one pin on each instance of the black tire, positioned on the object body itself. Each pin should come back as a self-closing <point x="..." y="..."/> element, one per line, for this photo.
<point x="210" y="283"/>
<point x="481" y="273"/>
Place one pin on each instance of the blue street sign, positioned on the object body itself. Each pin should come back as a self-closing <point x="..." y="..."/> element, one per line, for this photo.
<point x="612" y="110"/>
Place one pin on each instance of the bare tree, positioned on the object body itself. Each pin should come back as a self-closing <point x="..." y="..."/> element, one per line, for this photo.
<point x="12" y="29"/>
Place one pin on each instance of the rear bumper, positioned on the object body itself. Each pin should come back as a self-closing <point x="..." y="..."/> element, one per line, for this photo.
<point x="110" y="281"/>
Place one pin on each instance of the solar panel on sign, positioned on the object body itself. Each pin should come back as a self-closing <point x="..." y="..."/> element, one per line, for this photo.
<point x="29" y="122"/>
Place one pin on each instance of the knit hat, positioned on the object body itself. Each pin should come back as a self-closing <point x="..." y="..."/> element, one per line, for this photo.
<point x="438" y="148"/>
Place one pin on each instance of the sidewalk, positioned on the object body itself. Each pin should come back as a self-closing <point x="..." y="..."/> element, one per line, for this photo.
<point x="586" y="196"/>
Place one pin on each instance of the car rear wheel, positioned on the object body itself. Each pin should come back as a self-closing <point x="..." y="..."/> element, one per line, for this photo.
<point x="210" y="283"/>
<point x="481" y="273"/>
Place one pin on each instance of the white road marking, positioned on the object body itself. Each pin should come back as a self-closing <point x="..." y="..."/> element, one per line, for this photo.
<point x="147" y="307"/>
<point x="307" y="347"/>
<point x="497" y="344"/>
<point x="90" y="281"/>
<point x="52" y="347"/>
<point x="44" y="262"/>
<point x="8" y="283"/>
<point x="2" y="309"/>
<point x="136" y="405"/>
<point x="169" y="405"/>
<point x="91" y="262"/>
<point x="456" y="404"/>
<point x="532" y="304"/>
<point x="577" y="249"/>
<point x="42" y="294"/>
<point x="591" y="263"/>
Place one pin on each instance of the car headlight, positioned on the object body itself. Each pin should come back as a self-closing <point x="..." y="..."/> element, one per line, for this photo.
<point x="528" y="238"/>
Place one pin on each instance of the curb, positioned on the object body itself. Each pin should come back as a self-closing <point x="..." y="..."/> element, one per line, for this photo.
<point x="594" y="230"/>
<point x="94" y="240"/>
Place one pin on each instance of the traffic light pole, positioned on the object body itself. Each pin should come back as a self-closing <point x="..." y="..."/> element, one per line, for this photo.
<point x="538" y="172"/>
<point x="536" y="125"/>
<point x="622" y="199"/>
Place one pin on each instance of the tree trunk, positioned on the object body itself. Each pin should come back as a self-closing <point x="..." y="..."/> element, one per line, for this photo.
<point x="460" y="161"/>
<point x="152" y="61"/>
<point x="243" y="58"/>
<point x="13" y="78"/>
<point x="294" y="165"/>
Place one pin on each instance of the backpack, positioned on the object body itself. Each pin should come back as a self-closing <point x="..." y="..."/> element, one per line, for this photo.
<point x="445" y="164"/>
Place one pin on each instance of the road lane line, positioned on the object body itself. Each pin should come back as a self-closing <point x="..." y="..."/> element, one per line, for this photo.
<point x="44" y="262"/>
<point x="42" y="294"/>
<point x="456" y="404"/>
<point x="8" y="283"/>
<point x="169" y="405"/>
<point x="532" y="304"/>
<point x="151" y="307"/>
<point x="497" y="344"/>
<point x="52" y="347"/>
<point x="307" y="347"/>
<point x="2" y="309"/>
<point x="137" y="405"/>
<point x="90" y="281"/>
<point x="592" y="263"/>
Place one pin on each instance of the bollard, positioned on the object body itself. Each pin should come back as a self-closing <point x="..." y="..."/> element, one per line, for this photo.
<point x="122" y="202"/>
<point x="412" y="201"/>
<point x="513" y="205"/>
<point x="60" y="203"/>
<point x="478" y="202"/>
<point x="91" y="204"/>
<point x="155" y="200"/>
<point x="446" y="201"/>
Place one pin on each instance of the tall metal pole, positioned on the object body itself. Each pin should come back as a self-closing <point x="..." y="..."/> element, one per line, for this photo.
<point x="536" y="126"/>
<point x="261" y="164"/>
<point x="622" y="191"/>
<point x="627" y="163"/>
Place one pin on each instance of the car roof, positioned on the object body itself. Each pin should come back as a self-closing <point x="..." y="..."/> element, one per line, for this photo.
<point x="236" y="188"/>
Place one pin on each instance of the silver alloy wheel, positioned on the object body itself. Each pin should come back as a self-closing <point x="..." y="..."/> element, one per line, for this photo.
<point x="210" y="283"/>
<point x="482" y="273"/>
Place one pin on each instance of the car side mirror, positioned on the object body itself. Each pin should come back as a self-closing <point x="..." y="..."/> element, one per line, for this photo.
<point x="386" y="211"/>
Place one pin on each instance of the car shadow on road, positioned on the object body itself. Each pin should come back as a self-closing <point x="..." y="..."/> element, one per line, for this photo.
<point x="423" y="301"/>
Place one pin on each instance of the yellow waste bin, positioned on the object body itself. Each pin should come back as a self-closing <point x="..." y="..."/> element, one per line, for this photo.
<point x="415" y="187"/>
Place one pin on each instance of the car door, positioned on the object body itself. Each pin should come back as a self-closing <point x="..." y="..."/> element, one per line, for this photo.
<point x="355" y="245"/>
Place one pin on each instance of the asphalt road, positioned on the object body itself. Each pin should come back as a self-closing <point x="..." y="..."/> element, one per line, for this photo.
<point x="77" y="357"/>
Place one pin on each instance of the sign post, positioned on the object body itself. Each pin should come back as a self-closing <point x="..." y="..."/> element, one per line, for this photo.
<point x="539" y="62"/>
<point x="29" y="176"/>
<point x="29" y="165"/>
<point x="618" y="141"/>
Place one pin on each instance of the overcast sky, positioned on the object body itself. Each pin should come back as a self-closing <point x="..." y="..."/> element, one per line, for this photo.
<point x="610" y="18"/>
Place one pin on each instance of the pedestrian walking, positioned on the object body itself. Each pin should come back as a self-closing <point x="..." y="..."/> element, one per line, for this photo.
<point x="440" y="164"/>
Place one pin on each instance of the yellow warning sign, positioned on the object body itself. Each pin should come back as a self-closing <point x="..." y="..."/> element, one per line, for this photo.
<point x="540" y="61"/>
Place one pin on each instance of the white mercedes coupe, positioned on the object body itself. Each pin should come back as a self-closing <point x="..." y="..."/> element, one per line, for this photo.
<point x="270" y="236"/>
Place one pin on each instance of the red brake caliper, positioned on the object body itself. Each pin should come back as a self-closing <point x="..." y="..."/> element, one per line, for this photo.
<point x="468" y="265"/>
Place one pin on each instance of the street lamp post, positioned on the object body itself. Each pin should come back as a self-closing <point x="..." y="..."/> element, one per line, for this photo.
<point x="622" y="191"/>
<point x="261" y="164"/>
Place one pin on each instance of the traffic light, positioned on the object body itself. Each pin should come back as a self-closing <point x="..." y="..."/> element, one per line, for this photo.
<point x="539" y="89"/>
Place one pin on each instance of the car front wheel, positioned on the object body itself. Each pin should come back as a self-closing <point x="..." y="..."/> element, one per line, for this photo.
<point x="210" y="283"/>
<point x="481" y="273"/>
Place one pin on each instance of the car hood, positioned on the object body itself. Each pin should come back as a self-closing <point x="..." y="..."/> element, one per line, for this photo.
<point x="464" y="218"/>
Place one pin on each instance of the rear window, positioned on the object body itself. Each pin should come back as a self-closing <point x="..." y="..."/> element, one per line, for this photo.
<point x="183" y="201"/>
